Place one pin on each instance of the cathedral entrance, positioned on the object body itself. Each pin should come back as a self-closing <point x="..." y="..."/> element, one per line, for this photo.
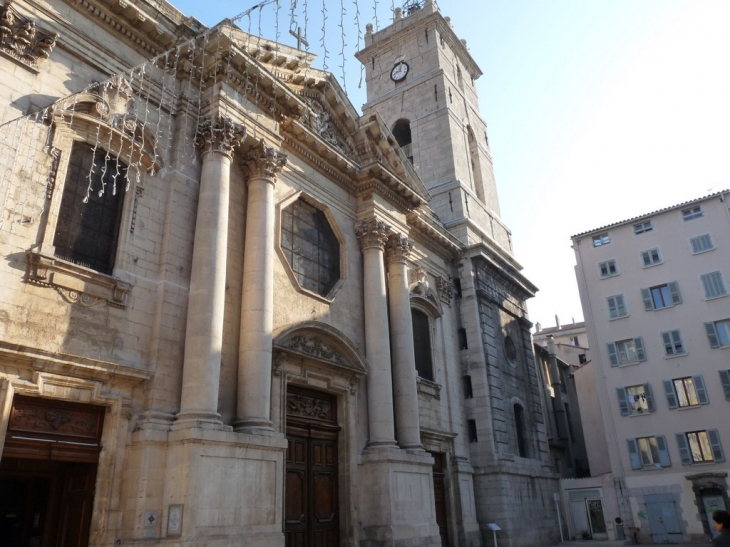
<point x="48" y="472"/>
<point x="311" y="498"/>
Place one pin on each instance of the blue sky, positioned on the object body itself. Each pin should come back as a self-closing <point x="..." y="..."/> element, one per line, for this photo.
<point x="598" y="110"/>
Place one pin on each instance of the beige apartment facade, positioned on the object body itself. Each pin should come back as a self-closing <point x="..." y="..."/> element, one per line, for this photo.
<point x="235" y="312"/>
<point x="655" y="301"/>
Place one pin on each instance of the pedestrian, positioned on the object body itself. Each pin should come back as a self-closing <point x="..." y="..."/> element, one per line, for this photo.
<point x="722" y="525"/>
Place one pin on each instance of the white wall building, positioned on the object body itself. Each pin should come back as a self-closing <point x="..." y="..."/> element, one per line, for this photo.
<point x="654" y="291"/>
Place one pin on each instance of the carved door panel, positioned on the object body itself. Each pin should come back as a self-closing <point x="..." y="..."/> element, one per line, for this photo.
<point x="311" y="497"/>
<point x="77" y="504"/>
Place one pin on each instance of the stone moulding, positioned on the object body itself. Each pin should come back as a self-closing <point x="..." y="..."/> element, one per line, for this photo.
<point x="76" y="284"/>
<point x="22" y="41"/>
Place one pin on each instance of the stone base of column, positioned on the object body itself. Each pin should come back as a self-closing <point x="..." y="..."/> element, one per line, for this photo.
<point x="199" y="420"/>
<point x="255" y="427"/>
<point x="397" y="499"/>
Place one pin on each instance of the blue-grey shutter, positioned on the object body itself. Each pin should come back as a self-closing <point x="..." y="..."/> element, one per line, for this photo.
<point x="649" y="397"/>
<point x="669" y="392"/>
<point x="661" y="444"/>
<point x="717" y="453"/>
<point x="620" y="305"/>
<point x="648" y="302"/>
<point x="668" y="345"/>
<point x="683" y="449"/>
<point x="725" y="378"/>
<point x="623" y="403"/>
<point x="699" y="382"/>
<point x="639" y="344"/>
<point x="634" y="455"/>
<point x="696" y="244"/>
<point x="712" y="335"/>
<point x="612" y="354"/>
<point x="674" y="291"/>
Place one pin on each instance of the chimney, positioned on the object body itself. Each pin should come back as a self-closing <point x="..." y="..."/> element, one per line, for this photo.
<point x="557" y="321"/>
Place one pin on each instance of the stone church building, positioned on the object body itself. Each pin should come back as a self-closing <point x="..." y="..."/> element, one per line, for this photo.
<point x="235" y="312"/>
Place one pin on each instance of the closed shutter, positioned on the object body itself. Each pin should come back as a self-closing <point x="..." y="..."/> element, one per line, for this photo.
<point x="640" y="353"/>
<point x="717" y="453"/>
<point x="712" y="335"/>
<point x="648" y="302"/>
<point x="725" y="378"/>
<point x="683" y="449"/>
<point x="669" y="392"/>
<point x="634" y="455"/>
<point x="661" y="444"/>
<point x="674" y="291"/>
<point x="623" y="402"/>
<point x="699" y="382"/>
<point x="612" y="354"/>
<point x="649" y="397"/>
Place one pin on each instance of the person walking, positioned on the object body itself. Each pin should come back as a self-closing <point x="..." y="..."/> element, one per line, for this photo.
<point x="722" y="525"/>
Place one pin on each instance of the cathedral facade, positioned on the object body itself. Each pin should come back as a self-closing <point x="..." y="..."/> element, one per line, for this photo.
<point x="233" y="311"/>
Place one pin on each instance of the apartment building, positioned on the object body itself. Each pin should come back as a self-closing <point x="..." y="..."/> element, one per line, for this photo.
<point x="571" y="340"/>
<point x="654" y="291"/>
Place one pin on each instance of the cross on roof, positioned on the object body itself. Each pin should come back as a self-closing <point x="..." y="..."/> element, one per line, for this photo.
<point x="300" y="39"/>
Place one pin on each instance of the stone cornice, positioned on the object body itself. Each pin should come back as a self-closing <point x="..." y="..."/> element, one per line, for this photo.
<point x="433" y="234"/>
<point x="502" y="269"/>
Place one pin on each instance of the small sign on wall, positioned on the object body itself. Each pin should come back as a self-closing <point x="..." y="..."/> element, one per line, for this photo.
<point x="151" y="518"/>
<point x="174" y="520"/>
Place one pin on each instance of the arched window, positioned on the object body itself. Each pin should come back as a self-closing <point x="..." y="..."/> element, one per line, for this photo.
<point x="422" y="344"/>
<point x="402" y="134"/>
<point x="476" y="168"/>
<point x="520" y="430"/>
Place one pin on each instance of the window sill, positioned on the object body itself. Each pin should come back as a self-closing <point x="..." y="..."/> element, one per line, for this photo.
<point x="636" y="414"/>
<point x="688" y="407"/>
<point x="705" y="251"/>
<point x="645" y="266"/>
<point x="76" y="284"/>
<point x="707" y="299"/>
<point x="617" y="318"/>
<point x="655" y="467"/>
<point x="609" y="276"/>
<point x="675" y="356"/>
<point x="428" y="388"/>
<point x="622" y="365"/>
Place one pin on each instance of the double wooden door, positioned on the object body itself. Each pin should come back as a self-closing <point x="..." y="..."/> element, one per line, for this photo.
<point x="311" y="498"/>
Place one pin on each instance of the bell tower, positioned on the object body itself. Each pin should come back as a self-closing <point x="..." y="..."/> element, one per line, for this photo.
<point x="420" y="79"/>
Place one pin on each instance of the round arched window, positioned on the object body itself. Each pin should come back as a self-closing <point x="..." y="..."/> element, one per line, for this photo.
<point x="310" y="246"/>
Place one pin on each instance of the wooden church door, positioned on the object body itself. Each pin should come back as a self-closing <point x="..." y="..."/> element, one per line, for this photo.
<point x="311" y="509"/>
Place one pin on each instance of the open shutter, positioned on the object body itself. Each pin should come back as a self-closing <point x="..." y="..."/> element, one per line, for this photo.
<point x="668" y="346"/>
<point x="640" y="353"/>
<point x="712" y="335"/>
<point x="648" y="302"/>
<point x="725" y="378"/>
<point x="683" y="449"/>
<point x="649" y="397"/>
<point x="674" y="291"/>
<point x="623" y="403"/>
<point x="669" y="392"/>
<point x="699" y="382"/>
<point x="661" y="444"/>
<point x="612" y="354"/>
<point x="634" y="455"/>
<point x="717" y="453"/>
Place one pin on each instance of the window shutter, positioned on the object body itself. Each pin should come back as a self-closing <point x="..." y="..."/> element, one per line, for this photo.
<point x="623" y="403"/>
<point x="699" y="382"/>
<point x="640" y="353"/>
<point x="669" y="392"/>
<point x="725" y="377"/>
<point x="649" y="397"/>
<point x="712" y="335"/>
<point x="661" y="444"/>
<point x="696" y="245"/>
<point x="634" y="455"/>
<point x="648" y="302"/>
<point x="674" y="291"/>
<point x="717" y="453"/>
<point x="646" y="258"/>
<point x="612" y="309"/>
<point x="621" y="307"/>
<point x="668" y="347"/>
<point x="683" y="449"/>
<point x="612" y="354"/>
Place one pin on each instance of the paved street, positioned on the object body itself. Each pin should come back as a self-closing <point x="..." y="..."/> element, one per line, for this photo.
<point x="598" y="543"/>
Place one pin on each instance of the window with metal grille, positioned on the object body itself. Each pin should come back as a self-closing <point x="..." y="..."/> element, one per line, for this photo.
<point x="310" y="246"/>
<point x="91" y="209"/>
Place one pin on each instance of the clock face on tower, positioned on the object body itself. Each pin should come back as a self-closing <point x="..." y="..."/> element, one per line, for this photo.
<point x="399" y="71"/>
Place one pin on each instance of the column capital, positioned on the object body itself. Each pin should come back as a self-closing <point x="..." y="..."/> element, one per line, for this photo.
<point x="219" y="134"/>
<point x="372" y="233"/>
<point x="398" y="248"/>
<point x="265" y="161"/>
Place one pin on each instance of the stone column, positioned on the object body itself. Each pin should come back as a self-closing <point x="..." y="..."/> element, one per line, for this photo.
<point x="408" y="431"/>
<point x="373" y="234"/>
<point x="257" y="308"/>
<point x="204" y="332"/>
